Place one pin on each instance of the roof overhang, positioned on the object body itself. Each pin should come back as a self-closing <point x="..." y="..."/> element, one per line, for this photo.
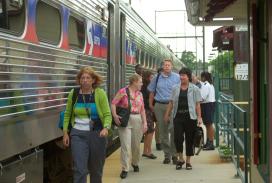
<point x="216" y="12"/>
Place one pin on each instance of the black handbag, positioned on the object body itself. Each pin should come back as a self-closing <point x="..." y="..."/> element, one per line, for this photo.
<point x="124" y="113"/>
<point x="198" y="137"/>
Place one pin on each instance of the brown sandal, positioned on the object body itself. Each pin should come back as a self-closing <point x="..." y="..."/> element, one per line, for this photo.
<point x="189" y="166"/>
<point x="150" y="156"/>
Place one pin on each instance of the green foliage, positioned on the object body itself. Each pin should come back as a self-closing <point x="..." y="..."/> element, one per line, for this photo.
<point x="223" y="65"/>
<point x="189" y="59"/>
<point x="225" y="152"/>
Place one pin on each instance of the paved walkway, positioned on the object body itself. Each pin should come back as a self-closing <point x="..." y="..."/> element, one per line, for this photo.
<point x="207" y="168"/>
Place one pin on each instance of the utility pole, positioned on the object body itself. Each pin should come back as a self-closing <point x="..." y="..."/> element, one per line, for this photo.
<point x="155" y="22"/>
<point x="184" y="35"/>
<point x="203" y="28"/>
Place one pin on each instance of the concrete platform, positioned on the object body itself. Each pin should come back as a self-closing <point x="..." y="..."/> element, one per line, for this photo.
<point x="207" y="168"/>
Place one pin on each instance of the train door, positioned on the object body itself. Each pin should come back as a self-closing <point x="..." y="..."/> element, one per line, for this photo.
<point x="122" y="49"/>
<point x="119" y="48"/>
<point x="111" y="52"/>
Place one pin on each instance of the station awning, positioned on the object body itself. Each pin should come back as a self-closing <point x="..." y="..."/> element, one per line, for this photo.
<point x="216" y="12"/>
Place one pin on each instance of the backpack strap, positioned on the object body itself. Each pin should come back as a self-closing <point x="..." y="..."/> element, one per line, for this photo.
<point x="75" y="94"/>
<point x="129" y="104"/>
<point x="157" y="79"/>
<point x="74" y="98"/>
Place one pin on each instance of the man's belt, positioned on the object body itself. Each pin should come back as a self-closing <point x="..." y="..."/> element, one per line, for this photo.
<point x="160" y="102"/>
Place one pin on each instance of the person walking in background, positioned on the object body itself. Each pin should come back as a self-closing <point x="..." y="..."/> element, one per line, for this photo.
<point x="208" y="107"/>
<point x="90" y="119"/>
<point x="196" y="81"/>
<point x="183" y="112"/>
<point x="160" y="89"/>
<point x="157" y="130"/>
<point x="147" y="152"/>
<point x="139" y="69"/>
<point x="130" y="136"/>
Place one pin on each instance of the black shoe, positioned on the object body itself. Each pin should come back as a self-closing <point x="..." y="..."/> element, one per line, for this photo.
<point x="158" y="147"/>
<point x="179" y="165"/>
<point x="209" y="147"/>
<point x="136" y="168"/>
<point x="166" y="161"/>
<point x="205" y="145"/>
<point x="123" y="174"/>
<point x="189" y="166"/>
<point x="174" y="160"/>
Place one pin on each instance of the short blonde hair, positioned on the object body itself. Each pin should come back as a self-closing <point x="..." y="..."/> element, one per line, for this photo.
<point x="168" y="60"/>
<point x="97" y="77"/>
<point x="134" y="78"/>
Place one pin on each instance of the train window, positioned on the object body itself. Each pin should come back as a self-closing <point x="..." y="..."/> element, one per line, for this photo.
<point x="146" y="60"/>
<point x="12" y="16"/>
<point x="150" y="62"/>
<point x="76" y="33"/>
<point x="137" y="56"/>
<point x="142" y="58"/>
<point x="48" y="23"/>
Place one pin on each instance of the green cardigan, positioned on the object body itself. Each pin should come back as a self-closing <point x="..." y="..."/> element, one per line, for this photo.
<point x="102" y="105"/>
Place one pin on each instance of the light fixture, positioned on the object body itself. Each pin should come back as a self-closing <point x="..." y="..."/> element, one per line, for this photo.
<point x="223" y="19"/>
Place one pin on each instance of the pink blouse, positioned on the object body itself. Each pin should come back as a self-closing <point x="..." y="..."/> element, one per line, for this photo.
<point x="121" y="100"/>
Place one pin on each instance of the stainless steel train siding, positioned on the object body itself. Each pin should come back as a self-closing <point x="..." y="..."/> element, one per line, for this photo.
<point x="36" y="76"/>
<point x="35" y="80"/>
<point x="34" y="86"/>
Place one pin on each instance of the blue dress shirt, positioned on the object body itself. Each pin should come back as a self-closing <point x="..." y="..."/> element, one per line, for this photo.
<point x="164" y="86"/>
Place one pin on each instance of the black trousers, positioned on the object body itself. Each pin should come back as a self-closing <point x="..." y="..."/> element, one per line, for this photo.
<point x="184" y="125"/>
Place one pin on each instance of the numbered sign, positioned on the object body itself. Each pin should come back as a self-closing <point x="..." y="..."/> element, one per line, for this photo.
<point x="241" y="72"/>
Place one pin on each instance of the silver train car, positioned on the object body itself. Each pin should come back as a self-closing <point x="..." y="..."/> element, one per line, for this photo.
<point x="43" y="43"/>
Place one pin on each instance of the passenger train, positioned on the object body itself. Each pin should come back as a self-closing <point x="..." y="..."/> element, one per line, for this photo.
<point x="43" y="44"/>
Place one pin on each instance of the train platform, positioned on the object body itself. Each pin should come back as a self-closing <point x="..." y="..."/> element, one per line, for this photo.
<point x="207" y="168"/>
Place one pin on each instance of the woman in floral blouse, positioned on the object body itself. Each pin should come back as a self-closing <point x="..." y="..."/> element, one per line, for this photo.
<point x="130" y="136"/>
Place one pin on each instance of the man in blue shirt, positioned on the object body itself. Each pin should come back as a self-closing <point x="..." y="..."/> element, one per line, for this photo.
<point x="160" y="89"/>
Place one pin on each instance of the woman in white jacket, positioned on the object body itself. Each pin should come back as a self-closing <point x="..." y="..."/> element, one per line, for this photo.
<point x="208" y="107"/>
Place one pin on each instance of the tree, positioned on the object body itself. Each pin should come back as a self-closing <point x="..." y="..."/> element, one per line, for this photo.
<point x="223" y="64"/>
<point x="189" y="59"/>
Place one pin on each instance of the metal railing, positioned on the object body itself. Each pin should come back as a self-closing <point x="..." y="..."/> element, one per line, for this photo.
<point x="232" y="125"/>
<point x="225" y="85"/>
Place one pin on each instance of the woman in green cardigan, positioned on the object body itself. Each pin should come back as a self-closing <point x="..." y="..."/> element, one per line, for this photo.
<point x="90" y="120"/>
